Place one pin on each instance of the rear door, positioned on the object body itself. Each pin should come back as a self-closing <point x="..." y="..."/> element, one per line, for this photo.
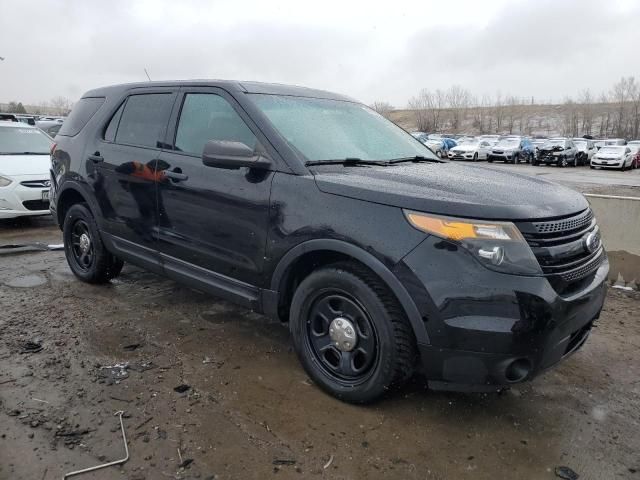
<point x="125" y="171"/>
<point x="212" y="221"/>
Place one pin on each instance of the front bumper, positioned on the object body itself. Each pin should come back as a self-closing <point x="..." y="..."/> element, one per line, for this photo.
<point x="461" y="155"/>
<point x="549" y="159"/>
<point x="488" y="329"/>
<point x="595" y="162"/>
<point x="18" y="199"/>
<point x="500" y="157"/>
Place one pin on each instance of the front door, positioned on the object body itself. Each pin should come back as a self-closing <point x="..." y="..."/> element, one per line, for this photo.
<point x="212" y="221"/>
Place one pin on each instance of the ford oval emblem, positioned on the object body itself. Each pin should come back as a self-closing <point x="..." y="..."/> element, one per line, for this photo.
<point x="592" y="242"/>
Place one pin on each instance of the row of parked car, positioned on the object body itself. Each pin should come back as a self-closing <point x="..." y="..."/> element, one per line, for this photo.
<point x="48" y="124"/>
<point x="561" y="151"/>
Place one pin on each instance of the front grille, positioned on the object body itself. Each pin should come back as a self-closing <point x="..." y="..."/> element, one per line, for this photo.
<point x="562" y="249"/>
<point x="36" y="183"/>
<point x="564" y="224"/>
<point x="36" y="205"/>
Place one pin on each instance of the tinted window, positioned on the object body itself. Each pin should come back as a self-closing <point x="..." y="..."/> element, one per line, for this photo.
<point x="144" y="119"/>
<point x="80" y="115"/>
<point x="110" y="132"/>
<point x="207" y="117"/>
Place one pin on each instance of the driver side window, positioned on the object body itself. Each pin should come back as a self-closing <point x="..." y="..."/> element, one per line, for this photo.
<point x="207" y="116"/>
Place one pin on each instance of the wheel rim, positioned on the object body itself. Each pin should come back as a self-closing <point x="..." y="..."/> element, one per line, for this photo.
<point x="82" y="245"/>
<point x="341" y="337"/>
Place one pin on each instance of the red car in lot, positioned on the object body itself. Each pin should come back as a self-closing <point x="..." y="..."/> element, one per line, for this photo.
<point x="635" y="152"/>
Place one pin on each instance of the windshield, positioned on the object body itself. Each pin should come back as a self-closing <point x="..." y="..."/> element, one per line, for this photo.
<point x="23" y="140"/>
<point x="468" y="141"/>
<point x="508" y="142"/>
<point x="554" y="143"/>
<point x="580" y="144"/>
<point x="616" y="150"/>
<point x="323" y="129"/>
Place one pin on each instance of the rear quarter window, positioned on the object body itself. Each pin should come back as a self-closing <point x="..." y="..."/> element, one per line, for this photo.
<point x="81" y="113"/>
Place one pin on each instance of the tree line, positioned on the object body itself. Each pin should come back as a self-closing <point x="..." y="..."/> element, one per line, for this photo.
<point x="56" y="106"/>
<point x="615" y="113"/>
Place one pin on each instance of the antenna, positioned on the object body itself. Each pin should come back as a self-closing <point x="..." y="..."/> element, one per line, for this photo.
<point x="147" y="74"/>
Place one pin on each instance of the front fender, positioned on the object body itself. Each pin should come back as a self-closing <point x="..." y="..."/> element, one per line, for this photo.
<point x="364" y="257"/>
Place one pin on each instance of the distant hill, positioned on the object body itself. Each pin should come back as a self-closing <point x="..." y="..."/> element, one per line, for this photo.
<point x="569" y="119"/>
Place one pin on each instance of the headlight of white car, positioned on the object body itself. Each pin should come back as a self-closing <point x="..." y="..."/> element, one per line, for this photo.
<point x="4" y="181"/>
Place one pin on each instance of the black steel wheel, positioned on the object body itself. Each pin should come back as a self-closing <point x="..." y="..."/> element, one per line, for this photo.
<point x="351" y="335"/>
<point x="86" y="255"/>
<point x="341" y="336"/>
<point x="81" y="245"/>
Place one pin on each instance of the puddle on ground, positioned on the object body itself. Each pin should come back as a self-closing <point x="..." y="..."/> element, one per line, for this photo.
<point x="27" y="281"/>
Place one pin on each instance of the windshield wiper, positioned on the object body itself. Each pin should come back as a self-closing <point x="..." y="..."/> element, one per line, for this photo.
<point x="345" y="161"/>
<point x="24" y="153"/>
<point x="417" y="158"/>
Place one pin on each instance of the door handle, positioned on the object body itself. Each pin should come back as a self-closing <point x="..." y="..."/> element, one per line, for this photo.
<point x="96" y="158"/>
<point x="176" y="176"/>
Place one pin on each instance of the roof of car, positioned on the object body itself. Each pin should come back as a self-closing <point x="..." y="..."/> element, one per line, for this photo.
<point x="232" y="85"/>
<point x="9" y="123"/>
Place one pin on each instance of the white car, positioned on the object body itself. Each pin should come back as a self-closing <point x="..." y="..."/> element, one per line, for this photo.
<point x="470" y="150"/>
<point x="24" y="170"/>
<point x="586" y="150"/>
<point x="613" y="156"/>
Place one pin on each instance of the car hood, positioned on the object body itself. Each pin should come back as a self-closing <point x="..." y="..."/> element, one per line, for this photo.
<point x="465" y="148"/>
<point x="25" y="165"/>
<point x="452" y="189"/>
<point x="609" y="156"/>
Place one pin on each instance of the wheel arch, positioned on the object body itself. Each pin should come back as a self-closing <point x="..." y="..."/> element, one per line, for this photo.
<point x="70" y="194"/>
<point x="306" y="257"/>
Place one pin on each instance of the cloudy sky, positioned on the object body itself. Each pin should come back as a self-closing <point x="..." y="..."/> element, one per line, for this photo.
<point x="371" y="50"/>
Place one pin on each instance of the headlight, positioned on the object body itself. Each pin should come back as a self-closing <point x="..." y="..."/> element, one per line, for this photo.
<point x="497" y="245"/>
<point x="4" y="181"/>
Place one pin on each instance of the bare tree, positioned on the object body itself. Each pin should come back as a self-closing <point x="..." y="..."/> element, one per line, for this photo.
<point x="570" y="118"/>
<point x="498" y="111"/>
<point x="383" y="108"/>
<point x="586" y="111"/>
<point x="61" y="105"/>
<point x="420" y="106"/>
<point x="458" y="100"/>
<point x="428" y="107"/>
<point x="512" y="105"/>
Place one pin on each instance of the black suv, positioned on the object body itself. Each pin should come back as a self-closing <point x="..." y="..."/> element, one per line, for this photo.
<point x="557" y="151"/>
<point x="311" y="208"/>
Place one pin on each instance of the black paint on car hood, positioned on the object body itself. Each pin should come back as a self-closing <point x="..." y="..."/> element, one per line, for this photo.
<point x="452" y="189"/>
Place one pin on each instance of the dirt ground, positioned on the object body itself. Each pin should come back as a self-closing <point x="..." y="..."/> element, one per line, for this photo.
<point x="250" y="412"/>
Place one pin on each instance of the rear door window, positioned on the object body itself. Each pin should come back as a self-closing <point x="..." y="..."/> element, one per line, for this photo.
<point x="144" y="119"/>
<point x="206" y="116"/>
<point x="81" y="113"/>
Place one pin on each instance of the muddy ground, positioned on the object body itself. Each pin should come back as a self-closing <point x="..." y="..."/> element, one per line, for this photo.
<point x="251" y="412"/>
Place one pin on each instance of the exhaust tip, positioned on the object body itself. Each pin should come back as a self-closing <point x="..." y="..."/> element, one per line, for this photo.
<point x="517" y="370"/>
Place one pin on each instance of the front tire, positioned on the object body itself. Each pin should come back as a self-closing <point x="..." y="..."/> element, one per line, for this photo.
<point x="475" y="157"/>
<point x="86" y="255"/>
<point x="347" y="304"/>
<point x="562" y="162"/>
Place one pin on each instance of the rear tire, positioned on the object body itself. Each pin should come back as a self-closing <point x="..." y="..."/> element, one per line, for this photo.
<point x="385" y="347"/>
<point x="86" y="255"/>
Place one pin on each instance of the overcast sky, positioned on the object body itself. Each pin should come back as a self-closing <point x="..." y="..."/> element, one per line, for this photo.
<point x="370" y="50"/>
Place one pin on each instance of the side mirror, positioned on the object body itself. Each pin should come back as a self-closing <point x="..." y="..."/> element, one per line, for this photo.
<point x="232" y="155"/>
